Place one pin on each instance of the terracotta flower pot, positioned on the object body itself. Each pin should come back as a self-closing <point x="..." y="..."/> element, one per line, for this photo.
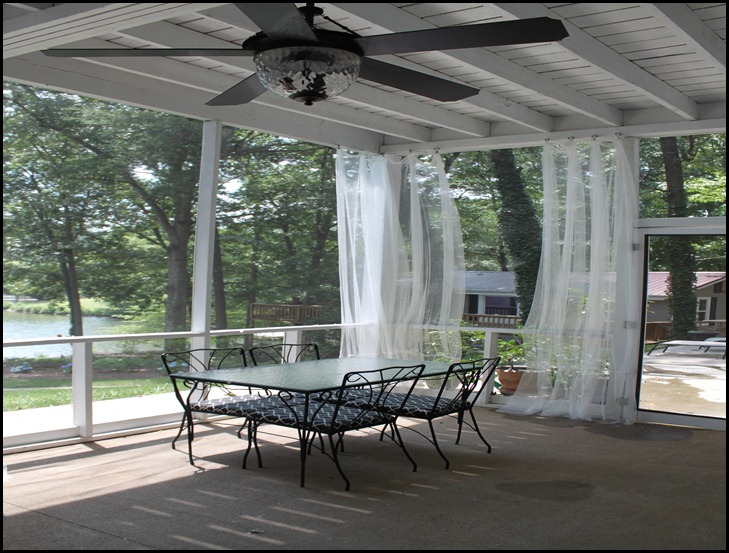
<point x="509" y="378"/>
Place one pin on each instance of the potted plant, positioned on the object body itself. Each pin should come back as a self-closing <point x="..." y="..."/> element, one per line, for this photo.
<point x="512" y="353"/>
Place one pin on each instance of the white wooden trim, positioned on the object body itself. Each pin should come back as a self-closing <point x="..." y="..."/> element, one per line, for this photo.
<point x="205" y="233"/>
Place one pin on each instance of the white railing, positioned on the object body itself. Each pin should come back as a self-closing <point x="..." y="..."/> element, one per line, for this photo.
<point x="83" y="427"/>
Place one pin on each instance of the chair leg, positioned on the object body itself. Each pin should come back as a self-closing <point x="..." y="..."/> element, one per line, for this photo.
<point x="437" y="447"/>
<point x="335" y="458"/>
<point x="399" y="441"/>
<point x="382" y="432"/>
<point x="475" y="427"/>
<point x="179" y="432"/>
<point x="248" y="448"/>
<point x="321" y="443"/>
<point x="190" y="436"/>
<point x="460" y="426"/>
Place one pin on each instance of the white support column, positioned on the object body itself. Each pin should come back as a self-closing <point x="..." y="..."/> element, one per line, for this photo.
<point x="202" y="273"/>
<point x="81" y="388"/>
<point x="490" y="349"/>
<point x="293" y="337"/>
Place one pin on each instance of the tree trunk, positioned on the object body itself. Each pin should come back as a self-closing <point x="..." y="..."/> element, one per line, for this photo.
<point x="251" y="294"/>
<point x="681" y="259"/>
<point x="324" y="224"/>
<point x="520" y="227"/>
<point x="221" y="311"/>
<point x="178" y="286"/>
<point x="70" y="284"/>
<point x="70" y="278"/>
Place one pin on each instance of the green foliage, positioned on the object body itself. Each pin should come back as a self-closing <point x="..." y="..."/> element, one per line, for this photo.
<point x="679" y="177"/>
<point x="498" y="196"/>
<point x="280" y="242"/>
<point x="100" y="200"/>
<point x="512" y="352"/>
<point x="704" y="171"/>
<point x="707" y="196"/>
<point x="111" y="191"/>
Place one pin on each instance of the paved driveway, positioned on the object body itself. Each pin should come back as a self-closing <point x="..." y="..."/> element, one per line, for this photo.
<point x="684" y="380"/>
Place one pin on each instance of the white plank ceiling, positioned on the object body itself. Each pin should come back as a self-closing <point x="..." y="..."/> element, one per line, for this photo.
<point x="634" y="69"/>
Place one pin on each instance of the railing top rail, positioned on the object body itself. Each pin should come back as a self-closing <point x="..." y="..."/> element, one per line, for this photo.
<point x="212" y="333"/>
<point x="160" y="335"/>
<point x="100" y="338"/>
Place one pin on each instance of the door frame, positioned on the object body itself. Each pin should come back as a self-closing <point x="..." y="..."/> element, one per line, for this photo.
<point x="672" y="226"/>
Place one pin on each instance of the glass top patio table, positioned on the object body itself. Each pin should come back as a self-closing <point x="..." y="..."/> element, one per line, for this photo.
<point x="305" y="376"/>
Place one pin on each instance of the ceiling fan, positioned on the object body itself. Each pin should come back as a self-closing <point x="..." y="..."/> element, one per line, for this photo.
<point x="300" y="62"/>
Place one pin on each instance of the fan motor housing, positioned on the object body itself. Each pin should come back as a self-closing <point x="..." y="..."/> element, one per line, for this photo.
<point x="261" y="42"/>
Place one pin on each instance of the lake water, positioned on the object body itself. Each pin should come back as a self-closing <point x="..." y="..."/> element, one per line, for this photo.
<point x="25" y="326"/>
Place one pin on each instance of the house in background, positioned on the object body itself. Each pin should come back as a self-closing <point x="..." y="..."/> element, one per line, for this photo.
<point x="491" y="301"/>
<point x="711" y="304"/>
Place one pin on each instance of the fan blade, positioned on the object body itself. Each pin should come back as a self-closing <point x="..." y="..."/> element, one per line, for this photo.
<point x="413" y="81"/>
<point x="144" y="52"/>
<point x="279" y="21"/>
<point x="499" y="33"/>
<point x="241" y="93"/>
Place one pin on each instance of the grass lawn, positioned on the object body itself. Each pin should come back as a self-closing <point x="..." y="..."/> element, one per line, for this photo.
<point x="21" y="393"/>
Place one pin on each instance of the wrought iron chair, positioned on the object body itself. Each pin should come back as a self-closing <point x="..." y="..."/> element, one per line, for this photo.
<point x="198" y="399"/>
<point x="283" y="353"/>
<point x="468" y="378"/>
<point x="325" y="414"/>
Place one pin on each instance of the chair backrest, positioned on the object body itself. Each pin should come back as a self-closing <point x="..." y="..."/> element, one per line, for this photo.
<point x="469" y="378"/>
<point x="204" y="359"/>
<point x="375" y="388"/>
<point x="283" y="353"/>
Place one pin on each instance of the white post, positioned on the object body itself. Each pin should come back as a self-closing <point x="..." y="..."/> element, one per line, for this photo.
<point x="202" y="273"/>
<point x="490" y="349"/>
<point x="81" y="388"/>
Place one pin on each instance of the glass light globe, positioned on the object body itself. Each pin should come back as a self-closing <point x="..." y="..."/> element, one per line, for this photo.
<point x="307" y="74"/>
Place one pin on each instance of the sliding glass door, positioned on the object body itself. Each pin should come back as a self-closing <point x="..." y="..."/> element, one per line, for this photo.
<point x="683" y="369"/>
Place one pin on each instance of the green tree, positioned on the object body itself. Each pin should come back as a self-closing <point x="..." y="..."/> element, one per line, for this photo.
<point x="703" y="165"/>
<point x="151" y="161"/>
<point x="520" y="227"/>
<point x="680" y="255"/>
<point x="278" y="234"/>
<point x="497" y="201"/>
<point x="56" y="201"/>
<point x="477" y="201"/>
<point x="684" y="177"/>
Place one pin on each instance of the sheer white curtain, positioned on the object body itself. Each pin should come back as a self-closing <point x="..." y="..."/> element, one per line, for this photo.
<point x="401" y="264"/>
<point x="576" y="367"/>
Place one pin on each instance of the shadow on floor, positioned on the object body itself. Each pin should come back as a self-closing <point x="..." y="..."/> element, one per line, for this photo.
<point x="548" y="484"/>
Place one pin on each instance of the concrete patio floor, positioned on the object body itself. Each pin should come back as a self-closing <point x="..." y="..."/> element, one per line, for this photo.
<point x="550" y="483"/>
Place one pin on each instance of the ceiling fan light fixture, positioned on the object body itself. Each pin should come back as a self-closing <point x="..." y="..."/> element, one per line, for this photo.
<point x="307" y="74"/>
